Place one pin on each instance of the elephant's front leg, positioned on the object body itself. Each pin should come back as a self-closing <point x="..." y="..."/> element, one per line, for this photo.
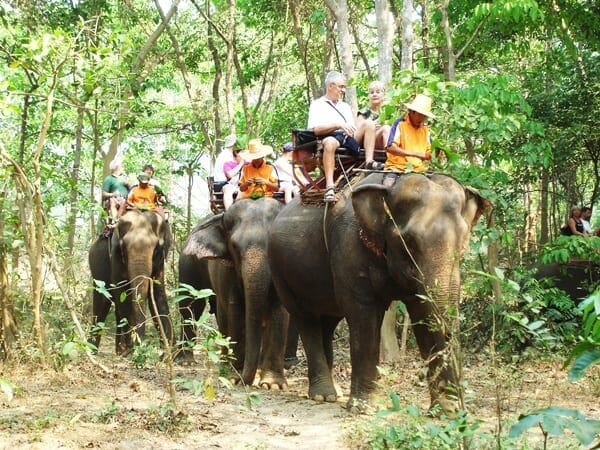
<point x="273" y="349"/>
<point x="364" y="324"/>
<point x="160" y="310"/>
<point x="100" y="309"/>
<point x="123" y="342"/>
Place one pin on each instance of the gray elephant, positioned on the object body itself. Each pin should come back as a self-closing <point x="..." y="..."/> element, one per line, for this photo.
<point x="350" y="260"/>
<point x="131" y="264"/>
<point x="574" y="277"/>
<point x="234" y="243"/>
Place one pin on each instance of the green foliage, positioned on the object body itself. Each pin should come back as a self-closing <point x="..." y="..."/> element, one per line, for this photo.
<point x="554" y="421"/>
<point x="587" y="352"/>
<point x="529" y="315"/>
<point x="565" y="248"/>
<point x="410" y="429"/>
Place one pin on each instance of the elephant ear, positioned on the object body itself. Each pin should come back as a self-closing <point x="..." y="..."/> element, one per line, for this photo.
<point x="207" y="240"/>
<point x="475" y="205"/>
<point x="368" y="201"/>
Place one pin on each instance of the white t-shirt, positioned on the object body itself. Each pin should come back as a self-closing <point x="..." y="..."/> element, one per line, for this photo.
<point x="222" y="158"/>
<point x="587" y="228"/>
<point x="322" y="111"/>
<point x="285" y="170"/>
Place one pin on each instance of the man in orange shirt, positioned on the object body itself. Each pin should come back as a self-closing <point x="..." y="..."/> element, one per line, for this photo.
<point x="258" y="178"/>
<point x="143" y="195"/>
<point x="409" y="146"/>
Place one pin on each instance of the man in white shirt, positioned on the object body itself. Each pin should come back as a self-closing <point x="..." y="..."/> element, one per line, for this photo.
<point x="586" y="213"/>
<point x="329" y="114"/>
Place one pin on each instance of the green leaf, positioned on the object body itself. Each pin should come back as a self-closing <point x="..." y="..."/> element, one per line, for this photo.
<point x="582" y="363"/>
<point x="7" y="388"/>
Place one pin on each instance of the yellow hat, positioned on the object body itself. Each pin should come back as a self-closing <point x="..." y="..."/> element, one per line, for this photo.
<point x="421" y="104"/>
<point x="255" y="150"/>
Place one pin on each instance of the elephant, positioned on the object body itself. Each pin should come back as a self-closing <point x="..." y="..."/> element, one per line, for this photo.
<point x="574" y="277"/>
<point x="131" y="261"/>
<point x="350" y="260"/>
<point x="234" y="246"/>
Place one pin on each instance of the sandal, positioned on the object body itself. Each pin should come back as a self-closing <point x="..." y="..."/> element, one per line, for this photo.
<point x="329" y="195"/>
<point x="374" y="165"/>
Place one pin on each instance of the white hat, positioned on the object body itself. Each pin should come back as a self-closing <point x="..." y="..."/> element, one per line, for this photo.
<point x="230" y="141"/>
<point x="421" y="104"/>
<point x="255" y="150"/>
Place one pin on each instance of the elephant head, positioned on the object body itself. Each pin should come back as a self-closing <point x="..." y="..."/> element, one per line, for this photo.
<point x="235" y="243"/>
<point x="140" y="244"/>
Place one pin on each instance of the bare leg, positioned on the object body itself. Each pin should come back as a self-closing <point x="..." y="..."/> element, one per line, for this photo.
<point x="369" y="140"/>
<point x="330" y="144"/>
<point x="228" y="191"/>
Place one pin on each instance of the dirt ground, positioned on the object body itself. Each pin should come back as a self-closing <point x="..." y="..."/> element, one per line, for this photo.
<point x="83" y="406"/>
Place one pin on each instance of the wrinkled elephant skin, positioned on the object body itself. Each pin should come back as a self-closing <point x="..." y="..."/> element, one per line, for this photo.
<point x="234" y="244"/>
<point x="131" y="264"/>
<point x="350" y="260"/>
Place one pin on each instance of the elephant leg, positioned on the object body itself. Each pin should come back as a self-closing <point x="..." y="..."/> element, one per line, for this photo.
<point x="291" y="346"/>
<point x="188" y="312"/>
<point x="321" y="387"/>
<point x="234" y="326"/>
<point x="364" y="324"/>
<point x="273" y="349"/>
<point x="122" y="312"/>
<point x="160" y="311"/>
<point x="100" y="309"/>
<point x="433" y="346"/>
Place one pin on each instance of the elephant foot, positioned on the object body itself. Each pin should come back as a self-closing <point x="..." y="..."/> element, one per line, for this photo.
<point x="444" y="406"/>
<point x="359" y="406"/>
<point x="273" y="381"/>
<point x="325" y="392"/>
<point x="289" y="362"/>
<point x="184" y="357"/>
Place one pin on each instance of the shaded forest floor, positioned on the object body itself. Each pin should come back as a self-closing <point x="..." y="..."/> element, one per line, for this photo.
<point x="82" y="406"/>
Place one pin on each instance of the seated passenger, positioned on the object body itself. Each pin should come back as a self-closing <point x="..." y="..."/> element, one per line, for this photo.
<point x="285" y="170"/>
<point x="114" y="190"/>
<point x="369" y="133"/>
<point x="232" y="173"/>
<point x="258" y="178"/>
<point x="143" y="195"/>
<point x="409" y="146"/>
<point x="329" y="114"/>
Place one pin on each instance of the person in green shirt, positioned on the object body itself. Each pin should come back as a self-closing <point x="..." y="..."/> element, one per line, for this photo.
<point x="114" y="190"/>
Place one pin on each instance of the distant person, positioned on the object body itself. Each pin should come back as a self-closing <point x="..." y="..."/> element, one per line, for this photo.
<point x="586" y="214"/>
<point x="285" y="170"/>
<point x="114" y="190"/>
<point x="409" y="146"/>
<point x="331" y="117"/>
<point x="574" y="226"/>
<point x="225" y="155"/>
<point x="258" y="178"/>
<point x="232" y="171"/>
<point x="143" y="196"/>
<point x="369" y="133"/>
<point x="148" y="169"/>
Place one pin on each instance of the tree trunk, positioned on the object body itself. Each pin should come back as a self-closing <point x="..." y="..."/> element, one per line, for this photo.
<point x="385" y="38"/>
<point x="408" y="11"/>
<point x="73" y="206"/>
<point x="339" y="9"/>
<point x="8" y="322"/>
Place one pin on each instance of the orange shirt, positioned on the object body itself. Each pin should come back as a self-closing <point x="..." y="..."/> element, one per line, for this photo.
<point x="265" y="171"/>
<point x="412" y="139"/>
<point x="143" y="197"/>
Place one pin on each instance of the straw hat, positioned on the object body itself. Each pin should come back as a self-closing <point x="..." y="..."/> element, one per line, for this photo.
<point x="421" y="104"/>
<point x="255" y="150"/>
<point x="230" y="141"/>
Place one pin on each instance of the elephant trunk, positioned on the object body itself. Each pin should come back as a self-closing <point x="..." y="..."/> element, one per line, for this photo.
<point x="140" y="271"/>
<point x="257" y="281"/>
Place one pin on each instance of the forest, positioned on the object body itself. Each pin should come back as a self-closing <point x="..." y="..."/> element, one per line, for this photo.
<point x="515" y="89"/>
